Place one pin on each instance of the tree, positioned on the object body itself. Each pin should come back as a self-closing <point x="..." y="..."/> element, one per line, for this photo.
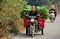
<point x="38" y="2"/>
<point x="10" y="10"/>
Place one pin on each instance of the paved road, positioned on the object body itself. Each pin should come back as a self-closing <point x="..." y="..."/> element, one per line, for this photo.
<point x="51" y="31"/>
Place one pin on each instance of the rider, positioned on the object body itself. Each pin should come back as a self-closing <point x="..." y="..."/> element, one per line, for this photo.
<point x="53" y="9"/>
<point x="33" y="12"/>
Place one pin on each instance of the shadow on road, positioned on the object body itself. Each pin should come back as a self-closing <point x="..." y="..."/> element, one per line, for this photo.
<point x="21" y="35"/>
<point x="48" y="22"/>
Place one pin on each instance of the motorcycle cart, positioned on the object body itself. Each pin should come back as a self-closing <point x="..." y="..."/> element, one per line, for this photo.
<point x="41" y="25"/>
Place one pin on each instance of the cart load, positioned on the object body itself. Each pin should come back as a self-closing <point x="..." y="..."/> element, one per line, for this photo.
<point x="44" y="14"/>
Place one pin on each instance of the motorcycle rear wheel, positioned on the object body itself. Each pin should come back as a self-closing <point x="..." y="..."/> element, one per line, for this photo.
<point x="42" y="32"/>
<point x="26" y="30"/>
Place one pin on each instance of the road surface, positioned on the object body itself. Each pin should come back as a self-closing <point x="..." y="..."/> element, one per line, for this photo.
<point x="51" y="31"/>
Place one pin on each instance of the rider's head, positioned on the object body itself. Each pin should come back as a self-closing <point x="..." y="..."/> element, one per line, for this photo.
<point x="33" y="8"/>
<point x="52" y="7"/>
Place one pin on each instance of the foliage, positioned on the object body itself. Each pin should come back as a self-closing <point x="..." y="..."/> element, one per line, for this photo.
<point x="38" y="2"/>
<point x="38" y="8"/>
<point x="24" y="10"/>
<point x="42" y="11"/>
<point x="10" y="10"/>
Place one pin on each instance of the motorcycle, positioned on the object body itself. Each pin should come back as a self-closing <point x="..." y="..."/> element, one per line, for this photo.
<point x="32" y="26"/>
<point x="52" y="16"/>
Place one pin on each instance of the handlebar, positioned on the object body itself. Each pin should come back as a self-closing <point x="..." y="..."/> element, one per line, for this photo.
<point x="32" y="17"/>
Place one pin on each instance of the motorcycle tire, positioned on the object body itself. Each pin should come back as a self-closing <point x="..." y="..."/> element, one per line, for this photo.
<point x="26" y="30"/>
<point x="32" y="34"/>
<point x="42" y="32"/>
